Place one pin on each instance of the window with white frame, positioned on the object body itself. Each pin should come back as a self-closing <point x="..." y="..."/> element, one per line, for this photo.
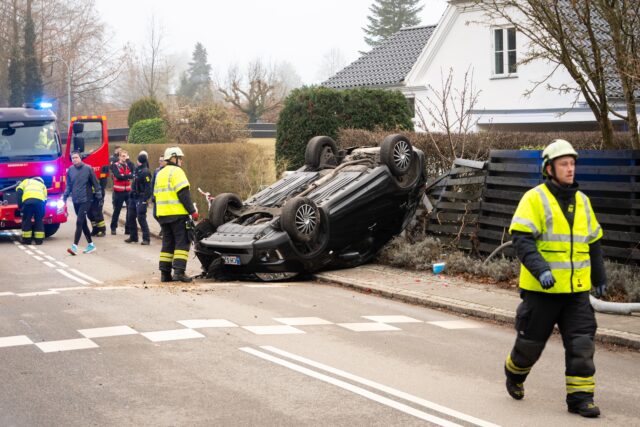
<point x="504" y="51"/>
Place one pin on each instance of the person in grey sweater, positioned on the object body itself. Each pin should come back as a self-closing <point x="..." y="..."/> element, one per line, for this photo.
<point x="83" y="186"/>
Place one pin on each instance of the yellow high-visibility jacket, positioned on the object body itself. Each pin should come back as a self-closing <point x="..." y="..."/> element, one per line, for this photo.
<point x="32" y="189"/>
<point x="565" y="249"/>
<point x="169" y="181"/>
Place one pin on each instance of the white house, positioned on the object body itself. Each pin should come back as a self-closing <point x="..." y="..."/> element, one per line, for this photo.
<point x="414" y="61"/>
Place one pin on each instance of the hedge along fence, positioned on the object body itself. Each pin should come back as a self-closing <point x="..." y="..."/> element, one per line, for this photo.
<point x="148" y="131"/>
<point x="240" y="168"/>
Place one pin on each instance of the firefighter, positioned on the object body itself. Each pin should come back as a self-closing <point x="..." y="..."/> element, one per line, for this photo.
<point x="141" y="192"/>
<point x="32" y="197"/>
<point x="122" y="172"/>
<point x="174" y="207"/>
<point x="95" y="215"/>
<point x="557" y="238"/>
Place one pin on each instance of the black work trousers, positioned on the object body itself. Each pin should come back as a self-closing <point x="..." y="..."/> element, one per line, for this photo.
<point x="81" y="210"/>
<point x="32" y="210"/>
<point x="536" y="317"/>
<point x="120" y="198"/>
<point x="175" y="245"/>
<point x="96" y="216"/>
<point x="137" y="214"/>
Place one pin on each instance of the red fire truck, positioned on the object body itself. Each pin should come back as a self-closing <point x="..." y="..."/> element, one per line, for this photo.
<point x="30" y="146"/>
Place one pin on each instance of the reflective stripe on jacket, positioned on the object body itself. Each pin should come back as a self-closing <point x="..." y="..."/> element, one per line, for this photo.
<point x="565" y="249"/>
<point x="169" y="181"/>
<point x="33" y="189"/>
<point x="122" y="185"/>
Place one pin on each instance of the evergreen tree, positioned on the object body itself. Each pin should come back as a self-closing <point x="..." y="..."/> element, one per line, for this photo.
<point x="32" y="77"/>
<point x="388" y="16"/>
<point x="195" y="84"/>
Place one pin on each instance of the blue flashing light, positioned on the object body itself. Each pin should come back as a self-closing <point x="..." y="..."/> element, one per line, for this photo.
<point x="44" y="105"/>
<point x="49" y="169"/>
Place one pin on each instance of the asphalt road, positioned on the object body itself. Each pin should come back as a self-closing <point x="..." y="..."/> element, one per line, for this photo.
<point x="97" y="340"/>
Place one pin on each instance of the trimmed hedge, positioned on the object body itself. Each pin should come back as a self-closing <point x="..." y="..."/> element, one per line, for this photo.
<point x="313" y="111"/>
<point x="149" y="131"/>
<point x="142" y="109"/>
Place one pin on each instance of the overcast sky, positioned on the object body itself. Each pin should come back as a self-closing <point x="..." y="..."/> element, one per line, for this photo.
<point x="237" y="31"/>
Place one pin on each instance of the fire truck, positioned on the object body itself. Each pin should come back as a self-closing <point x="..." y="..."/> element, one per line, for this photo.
<point x="30" y="146"/>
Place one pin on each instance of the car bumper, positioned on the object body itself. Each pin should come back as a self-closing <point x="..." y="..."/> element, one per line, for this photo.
<point x="10" y="215"/>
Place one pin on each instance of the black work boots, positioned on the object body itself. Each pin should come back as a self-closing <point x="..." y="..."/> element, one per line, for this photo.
<point x="586" y="409"/>
<point x="165" y="276"/>
<point x="515" y="390"/>
<point x="179" y="276"/>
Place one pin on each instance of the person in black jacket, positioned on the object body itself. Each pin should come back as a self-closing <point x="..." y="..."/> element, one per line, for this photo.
<point x="141" y="192"/>
<point x="83" y="187"/>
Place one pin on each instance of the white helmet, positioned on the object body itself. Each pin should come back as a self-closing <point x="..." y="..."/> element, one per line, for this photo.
<point x="173" y="151"/>
<point x="557" y="148"/>
<point x="37" y="178"/>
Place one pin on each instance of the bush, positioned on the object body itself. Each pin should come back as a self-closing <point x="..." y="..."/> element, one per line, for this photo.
<point x="312" y="111"/>
<point x="142" y="109"/>
<point x="204" y="124"/>
<point x="149" y="131"/>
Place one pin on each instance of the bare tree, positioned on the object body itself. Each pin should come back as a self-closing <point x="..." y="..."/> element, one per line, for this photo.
<point x="155" y="68"/>
<point x="332" y="61"/>
<point x="256" y="93"/>
<point x="594" y="40"/>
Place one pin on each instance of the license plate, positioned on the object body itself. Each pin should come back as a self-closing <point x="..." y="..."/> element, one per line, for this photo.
<point x="231" y="260"/>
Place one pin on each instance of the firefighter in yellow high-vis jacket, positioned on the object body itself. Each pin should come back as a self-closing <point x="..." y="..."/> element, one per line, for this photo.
<point x="32" y="197"/>
<point x="557" y="238"/>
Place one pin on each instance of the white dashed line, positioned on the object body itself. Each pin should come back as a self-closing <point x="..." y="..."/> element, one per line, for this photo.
<point x="207" y="323"/>
<point x="71" y="276"/>
<point x="38" y="258"/>
<point x="368" y="327"/>
<point x="172" y="335"/>
<point x="85" y="276"/>
<point x="456" y="324"/>
<point x="49" y="257"/>
<point x="73" y="288"/>
<point x="48" y="264"/>
<point x="22" y="247"/>
<point x="37" y="294"/>
<point x="66" y="345"/>
<point x="28" y="252"/>
<point x="5" y="294"/>
<point x="302" y="321"/>
<point x="273" y="330"/>
<point x="62" y="264"/>
<point x="111" y="331"/>
<point x="15" y="341"/>
<point x="392" y="319"/>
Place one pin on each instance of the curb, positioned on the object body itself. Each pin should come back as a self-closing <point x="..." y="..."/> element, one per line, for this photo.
<point x="122" y="221"/>
<point x="604" y="336"/>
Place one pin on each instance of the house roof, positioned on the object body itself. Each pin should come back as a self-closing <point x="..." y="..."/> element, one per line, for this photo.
<point x="387" y="64"/>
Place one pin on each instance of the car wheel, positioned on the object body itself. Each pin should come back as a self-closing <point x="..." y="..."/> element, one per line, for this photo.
<point x="300" y="219"/>
<point x="321" y="151"/>
<point x="219" y="212"/>
<point x="50" y="229"/>
<point x="396" y="152"/>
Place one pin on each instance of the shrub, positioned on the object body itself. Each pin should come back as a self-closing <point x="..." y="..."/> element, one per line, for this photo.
<point x="149" y="131"/>
<point x="204" y="124"/>
<point x="312" y="111"/>
<point x="142" y="109"/>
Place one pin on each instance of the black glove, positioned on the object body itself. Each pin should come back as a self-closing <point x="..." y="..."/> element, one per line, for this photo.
<point x="546" y="280"/>
<point x="601" y="290"/>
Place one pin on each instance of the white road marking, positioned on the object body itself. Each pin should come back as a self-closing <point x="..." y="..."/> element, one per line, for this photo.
<point x="368" y="327"/>
<point x="73" y="288"/>
<point x="62" y="264"/>
<point x="48" y="264"/>
<point x="39" y="252"/>
<point x="66" y="345"/>
<point x="273" y="330"/>
<point x="110" y="331"/>
<point x="207" y="323"/>
<point x="28" y="252"/>
<point x="392" y="319"/>
<point x="39" y="258"/>
<point x="352" y="388"/>
<point x="36" y="294"/>
<point x="15" y="341"/>
<point x="22" y="247"/>
<point x="302" y="321"/>
<point x="110" y="288"/>
<point x="71" y="276"/>
<point x="383" y="388"/>
<point x="49" y="257"/>
<point x="5" y="294"/>
<point x="457" y="324"/>
<point x="85" y="276"/>
<point x="175" y="334"/>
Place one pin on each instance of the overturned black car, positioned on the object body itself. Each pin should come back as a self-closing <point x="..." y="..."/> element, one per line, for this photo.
<point x="337" y="211"/>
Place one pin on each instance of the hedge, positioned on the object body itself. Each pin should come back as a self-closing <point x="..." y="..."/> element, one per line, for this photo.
<point x="312" y="111"/>
<point x="149" y="131"/>
<point x="142" y="109"/>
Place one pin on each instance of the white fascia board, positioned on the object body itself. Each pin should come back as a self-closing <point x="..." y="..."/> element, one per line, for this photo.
<point x="535" y="117"/>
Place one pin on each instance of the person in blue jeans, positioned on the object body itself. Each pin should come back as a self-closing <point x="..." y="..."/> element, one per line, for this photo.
<point x="83" y="187"/>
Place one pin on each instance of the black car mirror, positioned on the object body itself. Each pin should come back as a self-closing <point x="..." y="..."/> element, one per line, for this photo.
<point x="78" y="127"/>
<point x="78" y="143"/>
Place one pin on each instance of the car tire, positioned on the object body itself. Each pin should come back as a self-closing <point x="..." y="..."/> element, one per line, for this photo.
<point x="321" y="151"/>
<point x="50" y="229"/>
<point x="396" y="152"/>
<point x="219" y="211"/>
<point x="300" y="218"/>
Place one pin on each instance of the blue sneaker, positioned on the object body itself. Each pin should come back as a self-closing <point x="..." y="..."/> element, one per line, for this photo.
<point x="89" y="249"/>
<point x="73" y="250"/>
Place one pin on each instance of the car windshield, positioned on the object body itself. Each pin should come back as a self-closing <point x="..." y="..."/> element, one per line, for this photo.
<point x="28" y="141"/>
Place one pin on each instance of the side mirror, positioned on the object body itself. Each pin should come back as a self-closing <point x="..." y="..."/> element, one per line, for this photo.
<point x="78" y="143"/>
<point x="78" y="127"/>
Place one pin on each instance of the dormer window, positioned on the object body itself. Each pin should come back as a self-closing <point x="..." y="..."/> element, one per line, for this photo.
<point x="504" y="51"/>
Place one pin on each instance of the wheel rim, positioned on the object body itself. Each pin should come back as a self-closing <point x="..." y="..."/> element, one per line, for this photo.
<point x="402" y="155"/>
<point x="306" y="219"/>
